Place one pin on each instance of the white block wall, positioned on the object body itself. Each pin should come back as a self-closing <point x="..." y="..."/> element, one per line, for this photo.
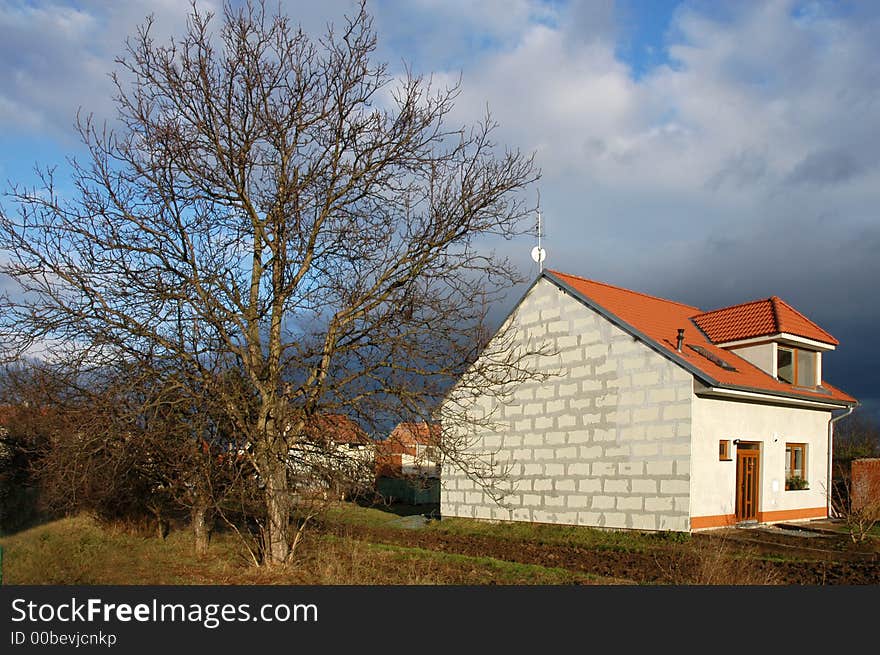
<point x="604" y="442"/>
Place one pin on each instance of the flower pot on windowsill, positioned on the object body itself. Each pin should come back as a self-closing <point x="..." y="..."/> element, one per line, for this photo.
<point x="796" y="483"/>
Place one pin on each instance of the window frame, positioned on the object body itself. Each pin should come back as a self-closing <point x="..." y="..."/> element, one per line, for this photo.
<point x="794" y="350"/>
<point x="791" y="448"/>
<point x="724" y="450"/>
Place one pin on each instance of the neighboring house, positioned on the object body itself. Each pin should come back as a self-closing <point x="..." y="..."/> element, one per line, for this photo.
<point x="335" y="453"/>
<point x="410" y="449"/>
<point x="407" y="463"/>
<point x="657" y="415"/>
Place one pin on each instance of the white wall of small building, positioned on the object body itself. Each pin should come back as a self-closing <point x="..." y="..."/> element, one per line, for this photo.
<point x="713" y="482"/>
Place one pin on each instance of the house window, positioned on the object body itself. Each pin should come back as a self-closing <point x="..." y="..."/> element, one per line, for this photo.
<point x="724" y="450"/>
<point x="796" y="366"/>
<point x="795" y="466"/>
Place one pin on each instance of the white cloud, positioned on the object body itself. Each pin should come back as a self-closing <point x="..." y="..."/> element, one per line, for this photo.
<point x="56" y="58"/>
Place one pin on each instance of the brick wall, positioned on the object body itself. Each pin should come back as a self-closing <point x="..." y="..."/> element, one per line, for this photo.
<point x="865" y="476"/>
<point x="604" y="442"/>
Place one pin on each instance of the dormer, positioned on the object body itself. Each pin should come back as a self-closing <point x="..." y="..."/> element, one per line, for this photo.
<point x="772" y="335"/>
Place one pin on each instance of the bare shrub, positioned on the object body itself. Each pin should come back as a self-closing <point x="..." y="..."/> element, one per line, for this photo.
<point x="852" y="502"/>
<point x="712" y="560"/>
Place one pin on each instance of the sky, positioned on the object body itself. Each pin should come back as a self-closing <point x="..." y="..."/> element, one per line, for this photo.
<point x="707" y="152"/>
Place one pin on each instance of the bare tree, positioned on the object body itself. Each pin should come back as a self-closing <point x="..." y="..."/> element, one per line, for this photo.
<point x="856" y="436"/>
<point x="304" y="218"/>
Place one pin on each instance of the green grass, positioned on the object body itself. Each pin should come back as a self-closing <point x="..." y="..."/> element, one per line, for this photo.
<point x="562" y="535"/>
<point x="81" y="550"/>
<point x="356" y="515"/>
<point x="423" y="567"/>
<point x="873" y="533"/>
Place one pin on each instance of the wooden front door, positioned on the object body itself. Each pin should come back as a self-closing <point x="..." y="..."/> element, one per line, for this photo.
<point x="747" y="479"/>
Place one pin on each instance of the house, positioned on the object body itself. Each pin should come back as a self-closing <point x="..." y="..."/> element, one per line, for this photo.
<point x="334" y="453"/>
<point x="407" y="466"/>
<point x="656" y="415"/>
<point x="410" y="449"/>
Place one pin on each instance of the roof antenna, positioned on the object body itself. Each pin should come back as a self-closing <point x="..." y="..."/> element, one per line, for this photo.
<point x="538" y="252"/>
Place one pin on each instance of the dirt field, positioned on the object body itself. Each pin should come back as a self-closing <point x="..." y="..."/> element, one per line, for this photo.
<point x="770" y="555"/>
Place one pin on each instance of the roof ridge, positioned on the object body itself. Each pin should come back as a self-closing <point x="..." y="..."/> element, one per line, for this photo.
<point x="777" y="323"/>
<point x="614" y="286"/>
<point x="742" y="304"/>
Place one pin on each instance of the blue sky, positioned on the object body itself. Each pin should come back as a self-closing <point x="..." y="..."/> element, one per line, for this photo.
<point x="707" y="152"/>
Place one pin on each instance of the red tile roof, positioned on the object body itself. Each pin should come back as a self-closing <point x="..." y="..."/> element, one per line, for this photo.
<point x="759" y="318"/>
<point x="659" y="320"/>
<point x="336" y="427"/>
<point x="415" y="432"/>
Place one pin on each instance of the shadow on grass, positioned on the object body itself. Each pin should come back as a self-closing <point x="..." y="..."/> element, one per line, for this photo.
<point x="430" y="510"/>
<point x="33" y="521"/>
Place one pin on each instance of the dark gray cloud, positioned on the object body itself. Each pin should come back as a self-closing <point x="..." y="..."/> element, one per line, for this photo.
<point x="831" y="166"/>
<point x="740" y="170"/>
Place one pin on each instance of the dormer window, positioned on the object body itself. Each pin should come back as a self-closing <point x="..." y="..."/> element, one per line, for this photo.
<point x="796" y="366"/>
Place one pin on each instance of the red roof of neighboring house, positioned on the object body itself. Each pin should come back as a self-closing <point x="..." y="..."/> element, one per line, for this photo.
<point x="337" y="427"/>
<point x="415" y="432"/>
<point x="659" y="320"/>
<point x="759" y="318"/>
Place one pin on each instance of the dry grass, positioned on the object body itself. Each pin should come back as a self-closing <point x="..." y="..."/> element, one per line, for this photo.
<point x="335" y="560"/>
<point x="81" y="550"/>
<point x="712" y="560"/>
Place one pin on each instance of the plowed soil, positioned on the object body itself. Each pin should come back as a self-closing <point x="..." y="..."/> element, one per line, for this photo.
<point x="727" y="557"/>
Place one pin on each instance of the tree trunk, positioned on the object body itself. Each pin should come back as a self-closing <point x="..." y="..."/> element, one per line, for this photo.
<point x="272" y="466"/>
<point x="277" y="514"/>
<point x="201" y="527"/>
<point x="162" y="525"/>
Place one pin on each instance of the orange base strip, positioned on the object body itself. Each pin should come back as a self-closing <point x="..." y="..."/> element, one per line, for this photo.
<point x="724" y="520"/>
<point x="793" y="514"/>
<point x="717" y="521"/>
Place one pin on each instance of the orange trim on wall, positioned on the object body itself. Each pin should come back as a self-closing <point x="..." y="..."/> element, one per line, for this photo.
<point x="717" y="521"/>
<point x="793" y="514"/>
<point x="726" y="520"/>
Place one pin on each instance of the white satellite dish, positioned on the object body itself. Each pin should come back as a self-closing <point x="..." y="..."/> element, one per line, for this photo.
<point x="538" y="254"/>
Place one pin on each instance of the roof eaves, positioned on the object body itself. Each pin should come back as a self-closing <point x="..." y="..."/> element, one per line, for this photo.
<point x="781" y="394"/>
<point x="633" y="331"/>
